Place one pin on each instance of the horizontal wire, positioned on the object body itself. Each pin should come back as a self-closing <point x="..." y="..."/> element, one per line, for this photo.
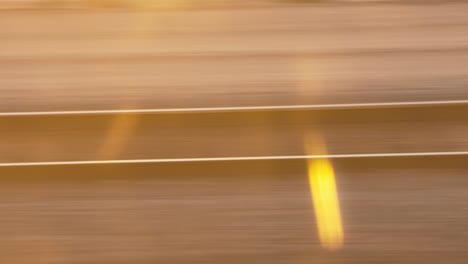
<point x="219" y="159"/>
<point x="239" y="108"/>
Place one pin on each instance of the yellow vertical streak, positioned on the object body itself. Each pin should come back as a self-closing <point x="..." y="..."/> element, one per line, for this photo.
<point x="117" y="138"/>
<point x="145" y="23"/>
<point x="309" y="75"/>
<point x="325" y="199"/>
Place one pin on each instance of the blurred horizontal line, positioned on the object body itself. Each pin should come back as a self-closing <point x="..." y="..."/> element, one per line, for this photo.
<point x="239" y="108"/>
<point x="258" y="158"/>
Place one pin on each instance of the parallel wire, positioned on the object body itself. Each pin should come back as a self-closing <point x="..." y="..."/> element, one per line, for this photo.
<point x="240" y="108"/>
<point x="221" y="159"/>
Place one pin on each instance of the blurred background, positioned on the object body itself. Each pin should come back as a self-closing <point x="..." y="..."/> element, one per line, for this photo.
<point x="261" y="131"/>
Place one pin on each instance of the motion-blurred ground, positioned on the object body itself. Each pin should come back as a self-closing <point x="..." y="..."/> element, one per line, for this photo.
<point x="277" y="54"/>
<point x="188" y="54"/>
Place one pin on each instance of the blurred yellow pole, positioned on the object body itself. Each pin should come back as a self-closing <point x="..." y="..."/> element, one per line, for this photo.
<point x="324" y="197"/>
<point x="122" y="127"/>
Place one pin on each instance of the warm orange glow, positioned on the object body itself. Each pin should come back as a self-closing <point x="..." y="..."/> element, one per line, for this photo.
<point x="147" y="5"/>
<point x="118" y="136"/>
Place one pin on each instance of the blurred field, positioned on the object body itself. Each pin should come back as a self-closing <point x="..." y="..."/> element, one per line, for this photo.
<point x="294" y="54"/>
<point x="135" y="55"/>
<point x="401" y="210"/>
<point x="236" y="134"/>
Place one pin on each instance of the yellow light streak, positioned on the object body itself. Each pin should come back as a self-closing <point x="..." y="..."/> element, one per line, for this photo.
<point x="122" y="127"/>
<point x="325" y="197"/>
